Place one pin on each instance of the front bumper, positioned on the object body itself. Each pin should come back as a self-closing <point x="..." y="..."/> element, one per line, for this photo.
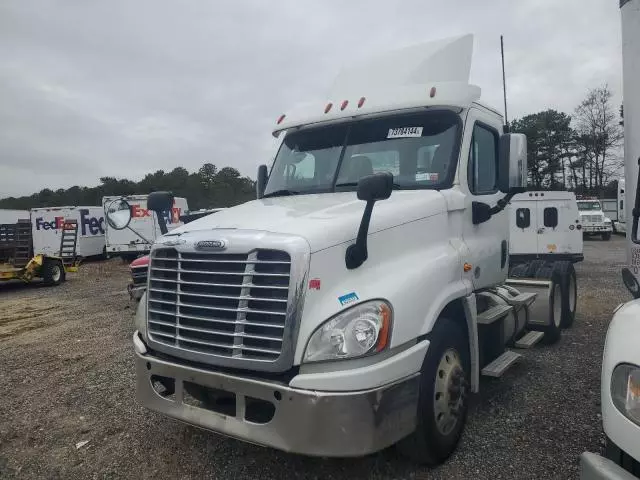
<point x="595" y="467"/>
<point x="597" y="228"/>
<point x="308" y="422"/>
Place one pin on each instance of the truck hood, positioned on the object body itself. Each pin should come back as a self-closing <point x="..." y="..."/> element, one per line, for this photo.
<point x="324" y="220"/>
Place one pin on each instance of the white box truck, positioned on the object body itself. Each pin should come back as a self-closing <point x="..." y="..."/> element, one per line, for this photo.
<point x="356" y="302"/>
<point x="143" y="228"/>
<point x="46" y="226"/>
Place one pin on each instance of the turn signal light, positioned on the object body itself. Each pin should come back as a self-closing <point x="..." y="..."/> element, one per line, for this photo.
<point x="467" y="267"/>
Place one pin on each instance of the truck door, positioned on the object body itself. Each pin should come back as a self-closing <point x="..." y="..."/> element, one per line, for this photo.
<point x="524" y="225"/>
<point x="553" y="227"/>
<point x="488" y="242"/>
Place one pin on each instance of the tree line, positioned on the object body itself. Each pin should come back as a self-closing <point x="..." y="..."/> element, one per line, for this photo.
<point x="580" y="152"/>
<point x="208" y="187"/>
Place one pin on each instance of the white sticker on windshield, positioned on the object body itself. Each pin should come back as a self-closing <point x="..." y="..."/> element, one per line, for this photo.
<point x="426" y="176"/>
<point x="405" y="132"/>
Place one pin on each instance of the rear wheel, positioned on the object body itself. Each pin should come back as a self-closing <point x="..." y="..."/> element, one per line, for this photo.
<point x="444" y="394"/>
<point x="53" y="272"/>
<point x="553" y="330"/>
<point x="566" y="275"/>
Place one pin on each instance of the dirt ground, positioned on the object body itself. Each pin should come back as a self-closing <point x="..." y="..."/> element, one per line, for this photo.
<point x="68" y="408"/>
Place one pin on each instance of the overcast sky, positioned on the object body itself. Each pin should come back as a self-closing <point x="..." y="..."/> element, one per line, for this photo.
<point x="125" y="87"/>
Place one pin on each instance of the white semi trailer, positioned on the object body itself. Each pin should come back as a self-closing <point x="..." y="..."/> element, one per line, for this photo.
<point x="356" y="303"/>
<point x="620" y="378"/>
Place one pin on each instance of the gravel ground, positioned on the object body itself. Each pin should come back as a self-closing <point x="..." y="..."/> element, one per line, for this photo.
<point x="66" y="365"/>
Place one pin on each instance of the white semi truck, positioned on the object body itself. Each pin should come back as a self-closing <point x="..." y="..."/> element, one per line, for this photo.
<point x="356" y="303"/>
<point x="620" y="377"/>
<point x="593" y="219"/>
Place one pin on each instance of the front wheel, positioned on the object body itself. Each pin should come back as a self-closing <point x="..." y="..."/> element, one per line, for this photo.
<point x="444" y="396"/>
<point x="52" y="272"/>
<point x="606" y="236"/>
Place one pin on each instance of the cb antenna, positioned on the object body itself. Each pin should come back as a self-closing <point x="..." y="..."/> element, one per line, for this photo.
<point x="504" y="87"/>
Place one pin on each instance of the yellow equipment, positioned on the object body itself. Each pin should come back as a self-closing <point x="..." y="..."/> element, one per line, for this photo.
<point x="17" y="261"/>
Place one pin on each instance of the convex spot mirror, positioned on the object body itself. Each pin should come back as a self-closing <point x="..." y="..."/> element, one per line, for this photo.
<point x="118" y="214"/>
<point x="512" y="172"/>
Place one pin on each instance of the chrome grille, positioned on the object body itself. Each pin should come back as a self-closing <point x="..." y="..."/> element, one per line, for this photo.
<point x="592" y="218"/>
<point x="228" y="305"/>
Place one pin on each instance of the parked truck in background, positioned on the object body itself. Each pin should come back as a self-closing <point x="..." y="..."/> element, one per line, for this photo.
<point x="620" y="377"/>
<point x="593" y="219"/>
<point x="47" y="223"/>
<point x="620" y="225"/>
<point x="143" y="230"/>
<point x="355" y="304"/>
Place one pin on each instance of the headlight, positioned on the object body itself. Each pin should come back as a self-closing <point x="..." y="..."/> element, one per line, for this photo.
<point x="625" y="391"/>
<point x="361" y="330"/>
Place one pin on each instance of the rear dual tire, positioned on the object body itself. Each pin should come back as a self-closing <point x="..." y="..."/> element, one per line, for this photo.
<point x="565" y="275"/>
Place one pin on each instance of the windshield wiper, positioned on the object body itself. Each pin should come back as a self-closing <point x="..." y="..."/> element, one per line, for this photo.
<point x="281" y="193"/>
<point x="396" y="186"/>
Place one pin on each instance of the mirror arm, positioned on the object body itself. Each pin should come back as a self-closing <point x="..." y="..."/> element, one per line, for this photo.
<point x="502" y="203"/>
<point x="357" y="253"/>
<point x="161" y="223"/>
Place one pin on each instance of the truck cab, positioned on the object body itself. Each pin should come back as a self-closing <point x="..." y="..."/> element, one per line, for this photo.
<point x="593" y="219"/>
<point x="356" y="302"/>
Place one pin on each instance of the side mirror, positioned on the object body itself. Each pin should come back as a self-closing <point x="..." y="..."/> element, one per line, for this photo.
<point x="160" y="202"/>
<point x="480" y="212"/>
<point x="261" y="184"/>
<point x="375" y="187"/>
<point x="118" y="214"/>
<point x="512" y="171"/>
<point x="370" y="189"/>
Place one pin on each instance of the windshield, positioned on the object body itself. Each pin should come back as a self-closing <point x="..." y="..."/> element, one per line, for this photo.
<point x="418" y="149"/>
<point x="588" y="205"/>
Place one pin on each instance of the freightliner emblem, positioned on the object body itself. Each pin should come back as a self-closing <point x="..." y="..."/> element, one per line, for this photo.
<point x="211" y="245"/>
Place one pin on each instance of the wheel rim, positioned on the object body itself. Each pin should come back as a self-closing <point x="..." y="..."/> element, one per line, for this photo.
<point x="557" y="305"/>
<point x="450" y="392"/>
<point x="572" y="294"/>
<point x="56" y="273"/>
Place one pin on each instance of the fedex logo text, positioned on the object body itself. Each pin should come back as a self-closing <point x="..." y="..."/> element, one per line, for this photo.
<point x="55" y="224"/>
<point x="170" y="217"/>
<point x="94" y="225"/>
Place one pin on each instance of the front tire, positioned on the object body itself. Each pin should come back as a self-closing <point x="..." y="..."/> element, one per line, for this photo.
<point x="53" y="272"/>
<point x="606" y="236"/>
<point x="444" y="396"/>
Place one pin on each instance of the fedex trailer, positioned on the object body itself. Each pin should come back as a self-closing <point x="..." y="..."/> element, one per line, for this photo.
<point x="47" y="223"/>
<point x="143" y="229"/>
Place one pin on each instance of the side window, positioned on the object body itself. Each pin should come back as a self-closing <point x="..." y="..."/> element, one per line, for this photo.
<point x="523" y="218"/>
<point x="483" y="161"/>
<point x="551" y="217"/>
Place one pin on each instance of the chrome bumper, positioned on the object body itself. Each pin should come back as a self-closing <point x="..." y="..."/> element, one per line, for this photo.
<point x="331" y="424"/>
<point x="597" y="228"/>
<point x="595" y="467"/>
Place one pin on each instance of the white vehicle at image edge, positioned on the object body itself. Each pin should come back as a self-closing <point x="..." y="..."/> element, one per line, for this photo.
<point x="593" y="219"/>
<point x="354" y="304"/>
<point x="620" y="376"/>
<point x="47" y="223"/>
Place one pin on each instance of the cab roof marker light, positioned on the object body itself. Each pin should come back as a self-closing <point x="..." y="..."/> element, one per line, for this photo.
<point x="432" y="92"/>
<point x="361" y="102"/>
<point x="344" y="104"/>
<point x="328" y="107"/>
<point x="280" y="119"/>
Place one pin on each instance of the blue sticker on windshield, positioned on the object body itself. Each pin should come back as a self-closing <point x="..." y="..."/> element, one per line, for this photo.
<point x="348" y="298"/>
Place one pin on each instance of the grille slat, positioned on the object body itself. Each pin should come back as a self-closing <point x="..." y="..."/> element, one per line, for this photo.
<point x="192" y="306"/>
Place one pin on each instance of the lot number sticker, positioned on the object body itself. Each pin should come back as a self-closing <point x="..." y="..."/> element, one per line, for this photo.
<point x="405" y="132"/>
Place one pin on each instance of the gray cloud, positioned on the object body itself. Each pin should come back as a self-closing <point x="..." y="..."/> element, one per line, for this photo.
<point x="122" y="88"/>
